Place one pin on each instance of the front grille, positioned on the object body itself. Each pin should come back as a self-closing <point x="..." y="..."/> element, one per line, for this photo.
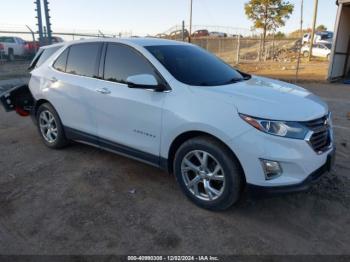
<point x="320" y="139"/>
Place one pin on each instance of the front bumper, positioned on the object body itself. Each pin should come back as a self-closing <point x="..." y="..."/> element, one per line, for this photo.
<point x="299" y="162"/>
<point x="302" y="186"/>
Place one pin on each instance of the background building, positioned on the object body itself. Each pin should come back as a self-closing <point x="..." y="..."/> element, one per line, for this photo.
<point x="340" y="62"/>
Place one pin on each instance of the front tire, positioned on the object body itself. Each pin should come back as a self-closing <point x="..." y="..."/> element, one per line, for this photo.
<point x="208" y="173"/>
<point x="50" y="127"/>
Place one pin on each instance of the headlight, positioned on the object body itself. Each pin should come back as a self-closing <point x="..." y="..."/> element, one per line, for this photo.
<point x="278" y="128"/>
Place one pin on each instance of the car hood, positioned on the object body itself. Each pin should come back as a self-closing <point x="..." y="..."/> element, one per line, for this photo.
<point x="270" y="99"/>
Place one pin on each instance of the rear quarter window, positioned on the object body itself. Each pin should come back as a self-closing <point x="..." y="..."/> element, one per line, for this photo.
<point x="61" y="62"/>
<point x="46" y="54"/>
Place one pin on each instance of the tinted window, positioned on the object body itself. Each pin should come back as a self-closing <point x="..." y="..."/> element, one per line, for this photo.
<point x="61" y="61"/>
<point x="46" y="54"/>
<point x="122" y="62"/>
<point x="194" y="66"/>
<point x="6" y="39"/>
<point x="83" y="59"/>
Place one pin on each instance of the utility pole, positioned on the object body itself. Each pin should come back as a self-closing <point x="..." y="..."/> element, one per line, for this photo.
<point x="40" y="23"/>
<point x="190" y="31"/>
<point x="313" y="29"/>
<point x="183" y="31"/>
<point x="301" y="39"/>
<point x="48" y="23"/>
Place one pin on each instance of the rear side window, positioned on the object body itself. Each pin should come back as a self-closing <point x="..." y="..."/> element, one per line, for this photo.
<point x="123" y="61"/>
<point x="46" y="54"/>
<point x="83" y="59"/>
<point x="61" y="61"/>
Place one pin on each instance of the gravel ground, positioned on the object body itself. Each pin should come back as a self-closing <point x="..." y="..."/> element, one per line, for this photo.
<point x="82" y="200"/>
<point x="15" y="69"/>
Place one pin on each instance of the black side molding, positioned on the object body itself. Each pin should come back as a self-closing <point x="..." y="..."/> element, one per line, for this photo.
<point x="117" y="148"/>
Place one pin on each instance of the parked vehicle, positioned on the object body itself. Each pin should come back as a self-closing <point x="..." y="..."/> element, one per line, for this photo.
<point x="2" y="51"/>
<point x="32" y="47"/>
<point x="217" y="34"/>
<point x="318" y="50"/>
<point x="200" y="33"/>
<point x="13" y="46"/>
<point x="177" y="35"/>
<point x="325" y="37"/>
<point x="176" y="106"/>
<point x="56" y="39"/>
<point x="161" y="36"/>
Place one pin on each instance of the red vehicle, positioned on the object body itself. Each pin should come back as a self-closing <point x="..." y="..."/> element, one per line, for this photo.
<point x="2" y="51"/>
<point x="32" y="47"/>
<point x="201" y="33"/>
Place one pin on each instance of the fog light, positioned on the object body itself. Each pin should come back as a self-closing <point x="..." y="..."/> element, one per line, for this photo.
<point x="272" y="169"/>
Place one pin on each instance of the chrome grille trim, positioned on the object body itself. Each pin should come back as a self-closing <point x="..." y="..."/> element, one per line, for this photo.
<point x="320" y="134"/>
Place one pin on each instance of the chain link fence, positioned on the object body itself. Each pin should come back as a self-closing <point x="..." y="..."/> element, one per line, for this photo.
<point x="241" y="48"/>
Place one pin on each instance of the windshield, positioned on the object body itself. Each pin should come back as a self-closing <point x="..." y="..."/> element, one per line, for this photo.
<point x="194" y="66"/>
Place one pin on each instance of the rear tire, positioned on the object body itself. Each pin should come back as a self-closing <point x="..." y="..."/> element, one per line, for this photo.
<point x="50" y="127"/>
<point x="208" y="173"/>
<point x="11" y="55"/>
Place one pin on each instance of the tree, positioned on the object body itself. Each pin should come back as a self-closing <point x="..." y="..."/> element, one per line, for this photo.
<point x="296" y="33"/>
<point x="268" y="15"/>
<point x="321" y="28"/>
<point x="280" y="35"/>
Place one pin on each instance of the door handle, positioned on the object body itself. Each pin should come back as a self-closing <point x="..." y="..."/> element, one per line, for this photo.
<point x="53" y="80"/>
<point x="104" y="91"/>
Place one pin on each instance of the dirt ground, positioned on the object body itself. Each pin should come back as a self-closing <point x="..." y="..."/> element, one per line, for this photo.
<point x="82" y="200"/>
<point x="314" y="71"/>
<point x="15" y="69"/>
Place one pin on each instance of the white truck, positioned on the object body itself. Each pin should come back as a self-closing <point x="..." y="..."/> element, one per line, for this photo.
<point x="12" y="46"/>
<point x="325" y="37"/>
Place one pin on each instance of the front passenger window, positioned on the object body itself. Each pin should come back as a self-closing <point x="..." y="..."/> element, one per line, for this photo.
<point x="123" y="61"/>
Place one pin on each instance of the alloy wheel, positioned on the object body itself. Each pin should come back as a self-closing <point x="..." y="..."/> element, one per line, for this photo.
<point x="48" y="126"/>
<point x="203" y="175"/>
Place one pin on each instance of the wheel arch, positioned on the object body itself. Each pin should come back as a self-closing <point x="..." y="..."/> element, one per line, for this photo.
<point x="185" y="136"/>
<point x="38" y="103"/>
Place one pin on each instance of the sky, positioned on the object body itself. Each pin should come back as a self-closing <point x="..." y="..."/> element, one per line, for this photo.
<point x="143" y="17"/>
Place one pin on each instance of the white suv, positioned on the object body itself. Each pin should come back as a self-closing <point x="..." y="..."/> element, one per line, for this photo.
<point x="175" y="106"/>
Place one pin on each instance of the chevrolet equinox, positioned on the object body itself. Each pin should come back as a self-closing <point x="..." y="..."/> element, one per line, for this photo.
<point x="175" y="106"/>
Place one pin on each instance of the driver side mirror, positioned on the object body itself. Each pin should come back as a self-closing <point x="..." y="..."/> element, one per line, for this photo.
<point x="144" y="81"/>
